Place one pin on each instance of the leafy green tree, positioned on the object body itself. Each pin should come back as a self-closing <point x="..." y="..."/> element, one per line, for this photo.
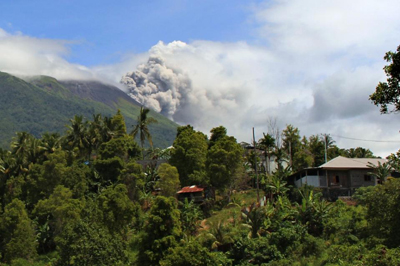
<point x="190" y="216"/>
<point x="17" y="234"/>
<point x="346" y="224"/>
<point x="123" y="147"/>
<point x="133" y="178"/>
<point x="382" y="256"/>
<point x="189" y="155"/>
<point x="142" y="127"/>
<point x="302" y="159"/>
<point x="217" y="134"/>
<point x="254" y="251"/>
<point x="109" y="170"/>
<point x="383" y="213"/>
<point x="43" y="178"/>
<point x="313" y="211"/>
<point x="388" y="93"/>
<point x="88" y="243"/>
<point x="161" y="232"/>
<point x="117" y="209"/>
<point x="169" y="180"/>
<point x="223" y="162"/>
<point x="190" y="254"/>
<point x="393" y="160"/>
<point x="333" y="152"/>
<point x="362" y="194"/>
<point x="59" y="210"/>
<point x="118" y="125"/>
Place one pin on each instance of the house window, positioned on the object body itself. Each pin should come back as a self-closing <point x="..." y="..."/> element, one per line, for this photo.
<point x="367" y="178"/>
<point x="336" y="179"/>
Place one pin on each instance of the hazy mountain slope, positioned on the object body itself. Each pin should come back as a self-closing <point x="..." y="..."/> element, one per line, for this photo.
<point x="42" y="104"/>
<point x="97" y="91"/>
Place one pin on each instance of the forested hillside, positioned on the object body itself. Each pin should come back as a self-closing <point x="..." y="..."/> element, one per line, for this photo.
<point x="83" y="199"/>
<point x="43" y="104"/>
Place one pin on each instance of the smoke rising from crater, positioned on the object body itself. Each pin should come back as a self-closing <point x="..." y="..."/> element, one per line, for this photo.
<point x="159" y="87"/>
<point x="173" y="83"/>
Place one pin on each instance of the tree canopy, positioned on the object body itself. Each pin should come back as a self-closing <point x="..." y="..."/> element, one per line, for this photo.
<point x="387" y="94"/>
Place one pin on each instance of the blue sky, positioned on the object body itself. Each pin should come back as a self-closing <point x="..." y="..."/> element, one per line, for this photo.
<point x="104" y="31"/>
<point x="241" y="64"/>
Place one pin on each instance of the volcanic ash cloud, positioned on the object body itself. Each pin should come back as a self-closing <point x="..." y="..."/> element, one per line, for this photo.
<point x="158" y="86"/>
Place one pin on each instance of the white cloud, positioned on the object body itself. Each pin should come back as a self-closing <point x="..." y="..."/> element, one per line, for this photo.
<point x="24" y="55"/>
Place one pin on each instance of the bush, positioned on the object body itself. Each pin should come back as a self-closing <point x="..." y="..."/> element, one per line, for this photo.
<point x="82" y="243"/>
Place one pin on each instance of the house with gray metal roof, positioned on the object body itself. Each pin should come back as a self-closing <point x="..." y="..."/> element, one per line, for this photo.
<point x="338" y="177"/>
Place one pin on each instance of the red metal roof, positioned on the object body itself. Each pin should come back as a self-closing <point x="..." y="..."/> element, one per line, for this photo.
<point x="190" y="189"/>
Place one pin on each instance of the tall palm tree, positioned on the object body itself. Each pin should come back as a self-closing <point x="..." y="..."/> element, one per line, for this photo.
<point x="267" y="143"/>
<point x="143" y="121"/>
<point x="20" y="146"/>
<point x="77" y="135"/>
<point x="8" y="164"/>
<point x="26" y="149"/>
<point x="50" y="142"/>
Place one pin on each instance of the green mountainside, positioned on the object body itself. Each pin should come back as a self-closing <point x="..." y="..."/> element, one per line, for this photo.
<point x="43" y="104"/>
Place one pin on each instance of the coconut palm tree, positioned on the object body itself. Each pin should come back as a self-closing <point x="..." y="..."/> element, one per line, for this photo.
<point x="20" y="146"/>
<point x="143" y="121"/>
<point x="2" y="166"/>
<point x="77" y="135"/>
<point x="254" y="217"/>
<point x="380" y="171"/>
<point x="50" y="143"/>
<point x="219" y="235"/>
<point x="26" y="149"/>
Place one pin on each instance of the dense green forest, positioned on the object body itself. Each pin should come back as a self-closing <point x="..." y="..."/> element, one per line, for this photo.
<point x="83" y="199"/>
<point x="43" y="104"/>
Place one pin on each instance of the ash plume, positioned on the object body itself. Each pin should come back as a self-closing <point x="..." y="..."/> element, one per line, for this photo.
<point x="159" y="87"/>
<point x="178" y="92"/>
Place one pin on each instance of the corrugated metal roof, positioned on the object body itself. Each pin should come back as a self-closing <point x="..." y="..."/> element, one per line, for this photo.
<point x="190" y="189"/>
<point x="341" y="162"/>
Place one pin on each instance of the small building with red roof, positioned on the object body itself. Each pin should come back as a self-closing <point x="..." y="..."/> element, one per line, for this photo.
<point x="193" y="193"/>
